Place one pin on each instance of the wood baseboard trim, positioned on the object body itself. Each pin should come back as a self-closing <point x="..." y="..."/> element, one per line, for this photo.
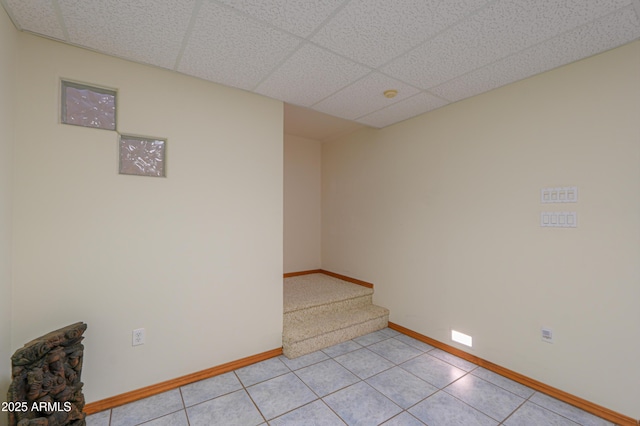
<point x="348" y="279"/>
<point x="331" y="274"/>
<point x="297" y="274"/>
<point x="583" y="404"/>
<point x="125" y="398"/>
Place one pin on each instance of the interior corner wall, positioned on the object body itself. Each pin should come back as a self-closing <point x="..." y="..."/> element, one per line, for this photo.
<point x="442" y="214"/>
<point x="8" y="42"/>
<point x="194" y="258"/>
<point x="302" y="203"/>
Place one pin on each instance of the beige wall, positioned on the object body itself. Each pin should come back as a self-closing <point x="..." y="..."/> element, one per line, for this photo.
<point x="8" y="36"/>
<point x="195" y="258"/>
<point x="442" y="213"/>
<point x="302" y="182"/>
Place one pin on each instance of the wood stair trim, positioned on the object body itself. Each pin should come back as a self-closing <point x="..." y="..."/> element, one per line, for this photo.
<point x="331" y="274"/>
<point x="297" y="274"/>
<point x="349" y="279"/>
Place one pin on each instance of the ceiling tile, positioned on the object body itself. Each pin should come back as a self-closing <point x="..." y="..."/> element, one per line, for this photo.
<point x="499" y="30"/>
<point x="364" y="97"/>
<point x="403" y="110"/>
<point x="375" y="31"/>
<point x="547" y="18"/>
<point x="233" y="49"/>
<point x="38" y="16"/>
<point x="605" y="33"/>
<point x="149" y="31"/>
<point x="310" y="75"/>
<point x="300" y="18"/>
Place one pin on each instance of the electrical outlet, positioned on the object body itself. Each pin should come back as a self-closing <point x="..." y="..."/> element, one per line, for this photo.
<point x="137" y="337"/>
<point x="547" y="335"/>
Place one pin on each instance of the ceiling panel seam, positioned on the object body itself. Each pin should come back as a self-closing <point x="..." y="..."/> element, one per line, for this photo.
<point x="305" y="41"/>
<point x="60" y="18"/>
<point x="187" y="34"/>
<point x="437" y="34"/>
<point x="636" y="6"/>
<point x="9" y="11"/>
<point x="517" y="52"/>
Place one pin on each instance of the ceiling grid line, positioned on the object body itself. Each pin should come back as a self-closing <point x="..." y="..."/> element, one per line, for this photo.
<point x="368" y="74"/>
<point x="279" y="65"/>
<point x="187" y="34"/>
<point x="521" y="51"/>
<point x="13" y="19"/>
<point x="528" y="48"/>
<point x="306" y="41"/>
<point x="60" y="18"/>
<point x="437" y="34"/>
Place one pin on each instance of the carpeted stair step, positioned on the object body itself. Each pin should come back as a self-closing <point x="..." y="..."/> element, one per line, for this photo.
<point x="295" y="316"/>
<point x="330" y="328"/>
<point x="321" y="311"/>
<point x="307" y="291"/>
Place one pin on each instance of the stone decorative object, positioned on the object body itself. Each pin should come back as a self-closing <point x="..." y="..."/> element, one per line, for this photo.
<point x="46" y="389"/>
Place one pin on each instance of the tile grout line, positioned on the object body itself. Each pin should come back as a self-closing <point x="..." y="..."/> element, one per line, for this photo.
<point x="514" y="411"/>
<point x="319" y="398"/>
<point x="464" y="402"/>
<point x="500" y="422"/>
<point x="555" y="412"/>
<point x="244" y="388"/>
<point x="184" y="405"/>
<point x="467" y="373"/>
<point x="360" y="380"/>
<point x="443" y="388"/>
<point x="403" y="410"/>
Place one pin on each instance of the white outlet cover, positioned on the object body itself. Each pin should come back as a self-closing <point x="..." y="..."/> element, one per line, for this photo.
<point x="137" y="337"/>
<point x="546" y="334"/>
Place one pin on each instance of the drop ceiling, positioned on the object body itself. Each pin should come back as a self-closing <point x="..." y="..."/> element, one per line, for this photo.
<point x="337" y="57"/>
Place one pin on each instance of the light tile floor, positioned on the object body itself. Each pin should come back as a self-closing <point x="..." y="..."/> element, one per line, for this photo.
<point x="382" y="378"/>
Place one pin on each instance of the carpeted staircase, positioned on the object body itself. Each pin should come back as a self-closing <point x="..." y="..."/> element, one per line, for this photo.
<point x="321" y="311"/>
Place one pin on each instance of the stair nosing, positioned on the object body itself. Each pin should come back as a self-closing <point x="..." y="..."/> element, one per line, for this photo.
<point x="297" y="309"/>
<point x="335" y="330"/>
<point x="336" y="318"/>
